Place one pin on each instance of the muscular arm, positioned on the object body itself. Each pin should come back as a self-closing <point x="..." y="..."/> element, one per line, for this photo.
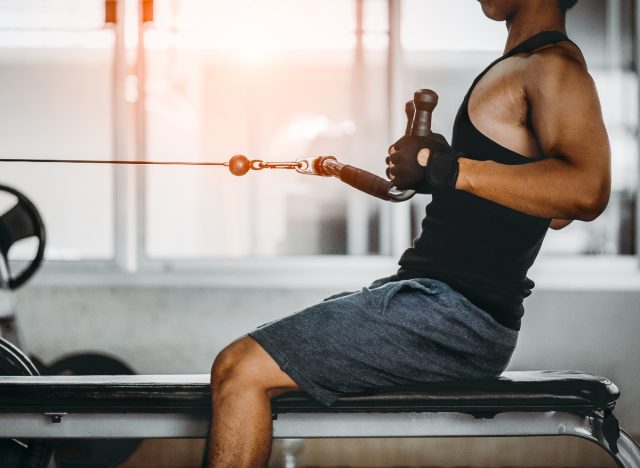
<point x="573" y="179"/>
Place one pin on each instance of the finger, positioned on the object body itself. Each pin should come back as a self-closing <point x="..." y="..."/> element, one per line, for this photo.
<point x="401" y="143"/>
<point x="391" y="150"/>
<point x="395" y="158"/>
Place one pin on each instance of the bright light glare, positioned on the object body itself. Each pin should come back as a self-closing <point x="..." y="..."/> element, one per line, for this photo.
<point x="254" y="28"/>
<point x="309" y="127"/>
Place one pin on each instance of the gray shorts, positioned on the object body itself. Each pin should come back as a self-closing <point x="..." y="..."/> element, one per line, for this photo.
<point x="394" y="332"/>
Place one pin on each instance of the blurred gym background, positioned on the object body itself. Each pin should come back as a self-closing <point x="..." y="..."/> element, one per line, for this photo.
<point x="161" y="267"/>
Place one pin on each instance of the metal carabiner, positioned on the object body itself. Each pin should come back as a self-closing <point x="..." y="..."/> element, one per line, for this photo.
<point x="258" y="164"/>
<point x="312" y="165"/>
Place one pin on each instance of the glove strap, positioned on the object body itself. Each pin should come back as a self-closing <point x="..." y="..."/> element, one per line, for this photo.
<point x="442" y="169"/>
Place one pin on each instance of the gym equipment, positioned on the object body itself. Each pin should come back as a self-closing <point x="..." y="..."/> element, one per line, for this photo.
<point x="418" y="114"/>
<point x="96" y="453"/>
<point x="403" y="166"/>
<point x="533" y="403"/>
<point x="410" y="110"/>
<point x="20" y="452"/>
<point x="425" y="100"/>
<point x="23" y="221"/>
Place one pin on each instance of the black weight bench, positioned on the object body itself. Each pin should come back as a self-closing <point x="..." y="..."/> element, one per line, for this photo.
<point x="532" y="403"/>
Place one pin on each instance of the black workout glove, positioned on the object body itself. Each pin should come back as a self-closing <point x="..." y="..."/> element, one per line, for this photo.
<point x="405" y="172"/>
<point x="442" y="166"/>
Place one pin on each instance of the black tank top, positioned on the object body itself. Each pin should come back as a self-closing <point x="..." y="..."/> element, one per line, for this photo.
<point x="479" y="248"/>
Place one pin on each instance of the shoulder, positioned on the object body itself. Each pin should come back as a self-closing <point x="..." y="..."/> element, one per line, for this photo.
<point x="563" y="105"/>
<point x="557" y="68"/>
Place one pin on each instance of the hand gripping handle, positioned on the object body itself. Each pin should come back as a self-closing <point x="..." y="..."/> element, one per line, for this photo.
<point x="418" y="123"/>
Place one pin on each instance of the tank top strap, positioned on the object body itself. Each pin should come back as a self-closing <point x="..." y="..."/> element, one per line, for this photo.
<point x="539" y="40"/>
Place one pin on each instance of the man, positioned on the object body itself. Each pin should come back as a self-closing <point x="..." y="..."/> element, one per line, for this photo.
<point x="529" y="151"/>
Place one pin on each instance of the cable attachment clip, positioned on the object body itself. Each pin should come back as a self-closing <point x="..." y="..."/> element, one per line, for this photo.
<point x="258" y="165"/>
<point x="314" y="165"/>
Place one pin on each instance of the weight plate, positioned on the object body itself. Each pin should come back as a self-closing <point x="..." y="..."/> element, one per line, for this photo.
<point x="22" y="221"/>
<point x="91" y="453"/>
<point x="20" y="453"/>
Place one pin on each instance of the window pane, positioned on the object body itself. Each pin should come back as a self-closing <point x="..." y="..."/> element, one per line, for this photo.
<point x="55" y="102"/>
<point x="227" y="78"/>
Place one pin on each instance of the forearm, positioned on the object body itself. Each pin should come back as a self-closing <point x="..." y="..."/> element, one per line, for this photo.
<point x="549" y="188"/>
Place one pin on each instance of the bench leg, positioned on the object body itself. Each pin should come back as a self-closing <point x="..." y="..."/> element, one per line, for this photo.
<point x="623" y="449"/>
<point x="596" y="428"/>
<point x="628" y="455"/>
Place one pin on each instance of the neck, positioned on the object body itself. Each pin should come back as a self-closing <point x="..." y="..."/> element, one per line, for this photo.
<point x="530" y="19"/>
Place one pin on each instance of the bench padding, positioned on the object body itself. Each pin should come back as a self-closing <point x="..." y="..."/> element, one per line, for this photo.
<point x="513" y="391"/>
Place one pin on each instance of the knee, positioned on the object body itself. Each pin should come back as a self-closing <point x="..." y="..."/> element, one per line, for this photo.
<point x="232" y="367"/>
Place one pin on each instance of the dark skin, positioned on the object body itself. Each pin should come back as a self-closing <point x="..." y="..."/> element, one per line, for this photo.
<point x="543" y="106"/>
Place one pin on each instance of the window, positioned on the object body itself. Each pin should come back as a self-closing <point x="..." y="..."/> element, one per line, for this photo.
<point x="274" y="80"/>
<point x="226" y="78"/>
<point x="56" y="60"/>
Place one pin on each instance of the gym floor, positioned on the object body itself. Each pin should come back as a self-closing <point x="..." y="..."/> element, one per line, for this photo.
<point x="391" y="453"/>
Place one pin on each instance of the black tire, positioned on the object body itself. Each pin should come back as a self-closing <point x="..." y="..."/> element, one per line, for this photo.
<point x="20" y="453"/>
<point x="91" y="453"/>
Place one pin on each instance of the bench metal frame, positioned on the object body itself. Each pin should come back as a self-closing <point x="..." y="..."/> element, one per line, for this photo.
<point x="193" y="421"/>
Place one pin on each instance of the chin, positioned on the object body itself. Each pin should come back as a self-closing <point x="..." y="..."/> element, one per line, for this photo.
<point x="496" y="10"/>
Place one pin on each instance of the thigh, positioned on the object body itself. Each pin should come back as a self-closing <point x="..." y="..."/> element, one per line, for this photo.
<point x="403" y="332"/>
<point x="346" y="344"/>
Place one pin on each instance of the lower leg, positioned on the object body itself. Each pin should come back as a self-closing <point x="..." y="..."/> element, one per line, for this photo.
<point x="244" y="378"/>
<point x="241" y="426"/>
